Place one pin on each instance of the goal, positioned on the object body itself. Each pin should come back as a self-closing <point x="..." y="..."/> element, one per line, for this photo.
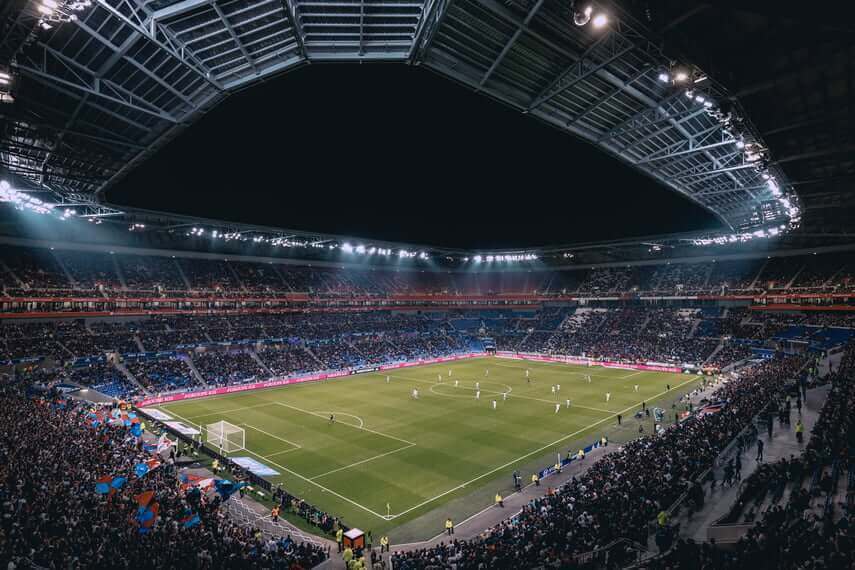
<point x="226" y="437"/>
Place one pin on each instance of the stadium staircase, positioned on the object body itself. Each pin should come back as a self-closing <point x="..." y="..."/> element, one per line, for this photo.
<point x="234" y="274"/>
<point x="119" y="274"/>
<point x="182" y="274"/>
<point x="65" y="270"/>
<point x="714" y="352"/>
<point x="796" y="276"/>
<point x="281" y="277"/>
<point x="12" y="274"/>
<point x="194" y="372"/>
<point x="130" y="377"/>
<point x="759" y="273"/>
<point x="713" y="520"/>
<point x="263" y="366"/>
<point x="315" y="357"/>
<point x="139" y="343"/>
<point x="710" y="268"/>
<point x="695" y="324"/>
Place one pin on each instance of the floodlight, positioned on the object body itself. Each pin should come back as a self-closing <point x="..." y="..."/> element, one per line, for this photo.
<point x="664" y="77"/>
<point x="582" y="16"/>
<point x="346" y="247"/>
<point x="477" y="259"/>
<point x="600" y="20"/>
<point x="681" y="76"/>
<point x="360" y="249"/>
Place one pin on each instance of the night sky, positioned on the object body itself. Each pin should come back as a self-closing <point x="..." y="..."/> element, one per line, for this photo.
<point x="393" y="152"/>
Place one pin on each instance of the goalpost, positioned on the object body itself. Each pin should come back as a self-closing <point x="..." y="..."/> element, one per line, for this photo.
<point x="226" y="437"/>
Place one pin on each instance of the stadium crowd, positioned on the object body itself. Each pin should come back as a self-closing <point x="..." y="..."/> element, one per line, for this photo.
<point x="809" y="531"/>
<point x="620" y="494"/>
<point x="53" y="516"/>
<point x="27" y="270"/>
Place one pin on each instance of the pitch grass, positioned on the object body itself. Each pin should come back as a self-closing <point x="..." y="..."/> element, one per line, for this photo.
<point x="417" y="455"/>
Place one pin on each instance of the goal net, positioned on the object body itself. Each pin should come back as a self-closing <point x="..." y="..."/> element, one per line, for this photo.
<point x="225" y="437"/>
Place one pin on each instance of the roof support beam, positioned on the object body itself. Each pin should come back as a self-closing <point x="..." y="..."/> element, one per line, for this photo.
<point x="510" y="43"/>
<point x="585" y="66"/>
<point x="686" y="152"/>
<point x="291" y="6"/>
<point x="711" y="173"/>
<point x="234" y="36"/>
<point x="432" y="17"/>
<point x="616" y="91"/>
<point x="178" y="9"/>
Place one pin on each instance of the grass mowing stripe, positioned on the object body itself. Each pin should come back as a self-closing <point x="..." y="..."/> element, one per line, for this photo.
<point x="494" y="393"/>
<point x="307" y="480"/>
<point x="267" y="433"/>
<point x="457" y="437"/>
<point x="363" y="461"/>
<point x="527" y="455"/>
<point x="346" y="424"/>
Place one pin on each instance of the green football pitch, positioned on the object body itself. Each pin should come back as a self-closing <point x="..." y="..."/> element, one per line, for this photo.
<point x="390" y="458"/>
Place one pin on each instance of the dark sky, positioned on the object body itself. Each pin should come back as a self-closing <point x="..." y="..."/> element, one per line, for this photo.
<point x="394" y="152"/>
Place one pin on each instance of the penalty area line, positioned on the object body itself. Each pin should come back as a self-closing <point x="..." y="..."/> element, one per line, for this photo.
<point x="307" y="480"/>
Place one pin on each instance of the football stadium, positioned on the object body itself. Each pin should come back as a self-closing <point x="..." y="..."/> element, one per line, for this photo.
<point x="427" y="284"/>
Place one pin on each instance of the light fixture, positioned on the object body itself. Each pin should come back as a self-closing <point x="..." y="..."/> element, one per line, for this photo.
<point x="664" y="77"/>
<point x="582" y="15"/>
<point x="600" y="20"/>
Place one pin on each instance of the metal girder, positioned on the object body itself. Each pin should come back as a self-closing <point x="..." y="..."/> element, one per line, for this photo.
<point x="432" y="16"/>
<point x="151" y="35"/>
<point x="689" y="151"/>
<point x="671" y="122"/>
<point x="617" y="46"/>
<point x="510" y="43"/>
<point x="651" y="115"/>
<point x="297" y="25"/>
<point x="145" y="71"/>
<point x="711" y="173"/>
<point x="234" y="35"/>
<point x="177" y="9"/>
<point x="92" y="85"/>
<point x="616" y="91"/>
<point x="730" y="188"/>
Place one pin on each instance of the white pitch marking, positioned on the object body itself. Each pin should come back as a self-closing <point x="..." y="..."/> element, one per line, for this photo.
<point x="458" y="487"/>
<point x="283" y="451"/>
<point x="267" y="433"/>
<point x="363" y="461"/>
<point x="307" y="480"/>
<point x="348" y="425"/>
<point x="361" y="423"/>
<point x="527" y="455"/>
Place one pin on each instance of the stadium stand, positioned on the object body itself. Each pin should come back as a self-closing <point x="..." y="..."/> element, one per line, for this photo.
<point x="50" y="460"/>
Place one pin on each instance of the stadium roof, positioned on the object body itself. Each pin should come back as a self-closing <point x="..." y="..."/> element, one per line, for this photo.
<point x="96" y="96"/>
